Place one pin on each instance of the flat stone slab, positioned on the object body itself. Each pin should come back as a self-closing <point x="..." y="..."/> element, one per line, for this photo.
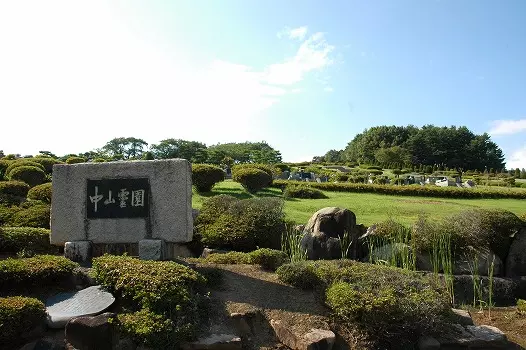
<point x="86" y="302"/>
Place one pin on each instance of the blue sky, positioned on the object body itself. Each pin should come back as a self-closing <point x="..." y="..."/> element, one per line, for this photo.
<point x="306" y="76"/>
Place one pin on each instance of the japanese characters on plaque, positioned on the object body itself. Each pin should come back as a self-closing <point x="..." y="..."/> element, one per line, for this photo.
<point x="118" y="198"/>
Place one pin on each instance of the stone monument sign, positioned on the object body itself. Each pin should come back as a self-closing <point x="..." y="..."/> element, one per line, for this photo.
<point x="144" y="202"/>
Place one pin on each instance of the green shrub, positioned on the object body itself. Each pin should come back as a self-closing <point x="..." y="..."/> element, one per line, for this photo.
<point x="19" y="316"/>
<point x="252" y="179"/>
<point x="241" y="225"/>
<point x="99" y="160"/>
<point x="4" y="164"/>
<point x="299" y="191"/>
<point x="390" y="303"/>
<point x="424" y="191"/>
<point x="521" y="306"/>
<point x="46" y="162"/>
<point x="25" y="239"/>
<point x="205" y="176"/>
<point x="283" y="167"/>
<point x="230" y="258"/>
<point x="41" y="193"/>
<point x="147" y="328"/>
<point x="13" y="191"/>
<point x="38" y="271"/>
<point x="6" y="213"/>
<point x="271" y="170"/>
<point x="164" y="287"/>
<point x="269" y="259"/>
<point x="22" y="162"/>
<point x="29" y="174"/>
<point x="75" y="160"/>
<point x="37" y="215"/>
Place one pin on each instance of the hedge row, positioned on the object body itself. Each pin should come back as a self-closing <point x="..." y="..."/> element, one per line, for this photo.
<point x="269" y="259"/>
<point x="391" y="306"/>
<point x="40" y="270"/>
<point x="12" y="192"/>
<point x="18" y="316"/>
<point x="425" y="191"/>
<point x="29" y="240"/>
<point x="172" y="291"/>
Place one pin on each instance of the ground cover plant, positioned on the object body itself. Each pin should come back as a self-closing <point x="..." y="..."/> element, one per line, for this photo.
<point x="269" y="259"/>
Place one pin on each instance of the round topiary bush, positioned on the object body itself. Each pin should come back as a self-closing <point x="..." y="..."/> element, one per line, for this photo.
<point x="18" y="317"/>
<point x="269" y="259"/>
<point x="303" y="191"/>
<point x="13" y="191"/>
<point x="22" y="162"/>
<point x="4" y="164"/>
<point x="252" y="179"/>
<point x="37" y="215"/>
<point x="46" y="162"/>
<point x="75" y="160"/>
<point x="29" y="174"/>
<point x="205" y="176"/>
<point x="41" y="193"/>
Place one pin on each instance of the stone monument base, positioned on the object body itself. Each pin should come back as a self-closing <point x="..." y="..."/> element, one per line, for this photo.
<point x="146" y="249"/>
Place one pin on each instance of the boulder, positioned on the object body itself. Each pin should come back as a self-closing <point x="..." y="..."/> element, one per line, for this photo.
<point x="464" y="266"/>
<point x="474" y="337"/>
<point x="91" y="332"/>
<point x="428" y="343"/>
<point x="516" y="259"/>
<point x="320" y="246"/>
<point x="463" y="317"/>
<point x="323" y="232"/>
<point x="43" y="344"/>
<point x="315" y="339"/>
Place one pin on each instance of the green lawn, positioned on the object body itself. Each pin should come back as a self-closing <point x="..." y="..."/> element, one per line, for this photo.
<point x="369" y="208"/>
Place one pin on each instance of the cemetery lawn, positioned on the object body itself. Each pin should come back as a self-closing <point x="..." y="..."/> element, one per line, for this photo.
<point x="368" y="207"/>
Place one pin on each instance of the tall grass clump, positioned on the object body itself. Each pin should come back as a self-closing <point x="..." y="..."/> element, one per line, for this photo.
<point x="291" y="244"/>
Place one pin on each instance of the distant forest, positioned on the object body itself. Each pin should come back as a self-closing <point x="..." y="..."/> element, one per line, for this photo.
<point x="448" y="147"/>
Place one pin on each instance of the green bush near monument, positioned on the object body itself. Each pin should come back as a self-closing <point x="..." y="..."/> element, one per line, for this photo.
<point x="205" y="176"/>
<point x="19" y="316"/>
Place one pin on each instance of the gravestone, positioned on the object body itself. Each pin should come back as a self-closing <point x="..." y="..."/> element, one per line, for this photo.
<point x="146" y="203"/>
<point x="65" y="306"/>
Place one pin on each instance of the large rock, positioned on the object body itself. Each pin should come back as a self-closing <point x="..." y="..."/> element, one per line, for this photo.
<point x="516" y="260"/>
<point x="63" y="307"/>
<point x="474" y="337"/>
<point x="484" y="261"/>
<point x="91" y="332"/>
<point x="320" y="246"/>
<point x="324" y="230"/>
<point x="315" y="339"/>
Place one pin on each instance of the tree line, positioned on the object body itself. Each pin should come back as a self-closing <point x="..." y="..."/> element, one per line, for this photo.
<point x="447" y="147"/>
<point x="129" y="148"/>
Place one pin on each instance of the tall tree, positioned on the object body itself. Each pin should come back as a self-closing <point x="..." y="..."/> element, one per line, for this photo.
<point x="193" y="151"/>
<point x="125" y="148"/>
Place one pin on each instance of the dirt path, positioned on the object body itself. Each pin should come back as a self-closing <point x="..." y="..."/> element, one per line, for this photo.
<point x="248" y="289"/>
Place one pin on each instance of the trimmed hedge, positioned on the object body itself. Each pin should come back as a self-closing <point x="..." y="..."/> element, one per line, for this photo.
<point x="22" y="162"/>
<point x="46" y="162"/>
<point x="31" y="215"/>
<point x="241" y="225"/>
<point x="41" y="193"/>
<point x="29" y="174"/>
<point x="393" y="306"/>
<point x="300" y="191"/>
<point x="13" y="191"/>
<point x="269" y="259"/>
<point x="4" y="164"/>
<point x="40" y="270"/>
<point x="423" y="191"/>
<point x="205" y="176"/>
<point x="252" y="179"/>
<point x="75" y="160"/>
<point x="19" y="316"/>
<point x="6" y="213"/>
<point x="25" y="239"/>
<point x="164" y="287"/>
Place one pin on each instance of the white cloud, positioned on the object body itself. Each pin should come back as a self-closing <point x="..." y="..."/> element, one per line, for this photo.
<point x="313" y="54"/>
<point x="328" y="89"/>
<point x="517" y="159"/>
<point x="74" y="75"/>
<point x="507" y="127"/>
<point x="295" y="33"/>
